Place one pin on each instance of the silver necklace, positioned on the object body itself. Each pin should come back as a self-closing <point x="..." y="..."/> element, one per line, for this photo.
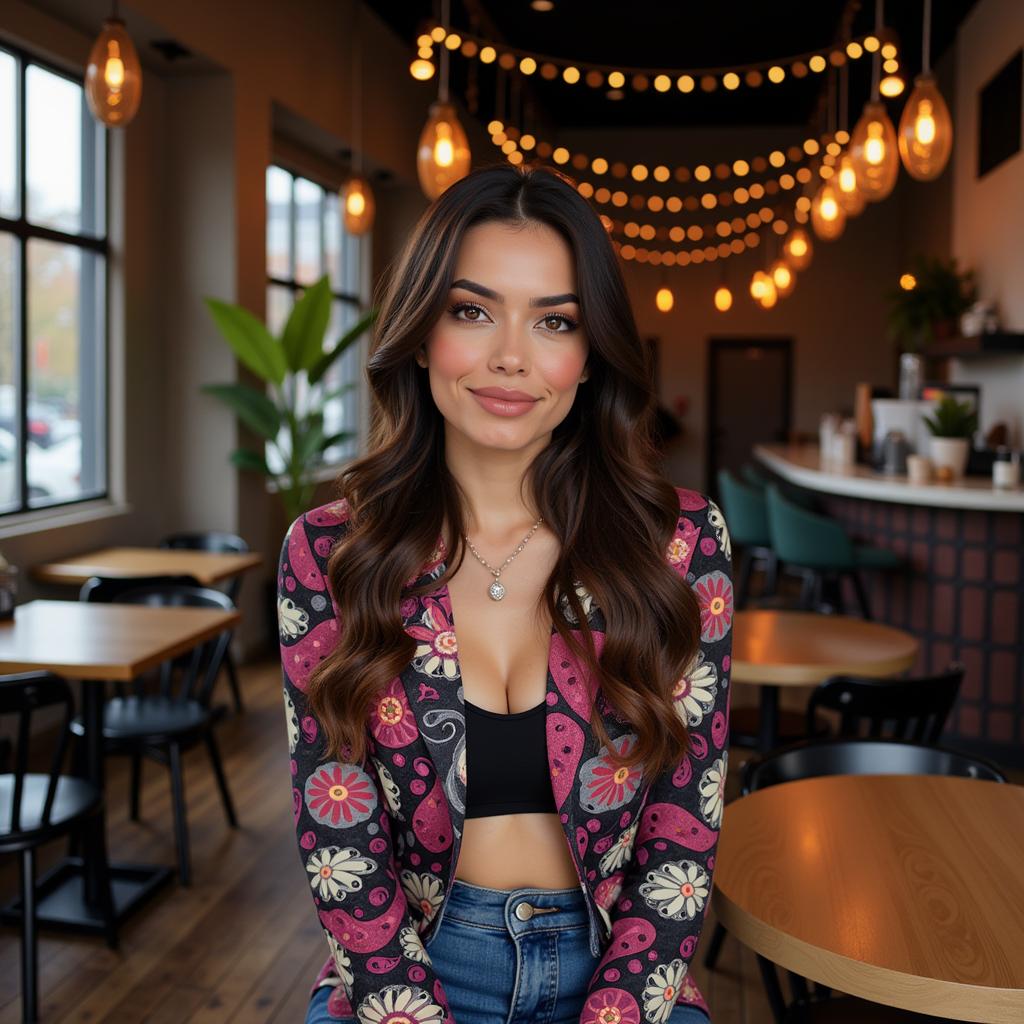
<point x="496" y="590"/>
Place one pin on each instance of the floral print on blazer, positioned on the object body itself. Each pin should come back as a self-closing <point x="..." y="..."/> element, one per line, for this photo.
<point x="379" y="840"/>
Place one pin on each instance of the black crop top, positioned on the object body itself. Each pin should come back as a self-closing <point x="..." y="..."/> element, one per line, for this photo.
<point x="506" y="762"/>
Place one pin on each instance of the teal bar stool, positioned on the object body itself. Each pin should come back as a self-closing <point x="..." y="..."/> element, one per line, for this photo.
<point x="746" y="512"/>
<point x="819" y="548"/>
<point x="758" y="478"/>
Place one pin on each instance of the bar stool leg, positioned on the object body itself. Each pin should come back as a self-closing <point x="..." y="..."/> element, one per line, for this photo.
<point x="862" y="597"/>
<point x="29" y="941"/>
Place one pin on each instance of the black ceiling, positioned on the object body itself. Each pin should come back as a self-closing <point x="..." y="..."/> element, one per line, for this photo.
<point x="672" y="35"/>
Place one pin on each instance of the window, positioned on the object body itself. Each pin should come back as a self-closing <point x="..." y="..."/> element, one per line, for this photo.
<point x="53" y="263"/>
<point x="306" y="239"/>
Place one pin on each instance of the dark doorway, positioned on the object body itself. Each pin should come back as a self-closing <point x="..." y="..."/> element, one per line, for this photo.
<point x="750" y="384"/>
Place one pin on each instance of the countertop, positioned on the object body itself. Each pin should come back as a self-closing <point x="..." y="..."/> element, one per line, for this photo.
<point x="802" y="465"/>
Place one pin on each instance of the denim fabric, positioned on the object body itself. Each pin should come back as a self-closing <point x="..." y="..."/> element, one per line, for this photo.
<point x="497" y="969"/>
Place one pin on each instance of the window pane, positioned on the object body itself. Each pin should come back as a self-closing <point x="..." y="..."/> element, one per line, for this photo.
<point x="279" y="197"/>
<point x="308" y="261"/>
<point x="66" y="394"/>
<point x="8" y="120"/>
<point x="332" y="240"/>
<point x="64" y="164"/>
<point x="8" y="368"/>
<point x="279" y="305"/>
<point x="341" y="413"/>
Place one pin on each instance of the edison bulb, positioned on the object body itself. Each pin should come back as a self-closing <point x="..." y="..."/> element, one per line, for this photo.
<point x="664" y="300"/>
<point x="358" y="206"/>
<point x="926" y="131"/>
<point x="442" y="156"/>
<point x="850" y="196"/>
<point x="759" y="284"/>
<point x="723" y="299"/>
<point x="783" y="276"/>
<point x="873" y="149"/>
<point x="798" y="249"/>
<point x="113" y="78"/>
<point x="770" y="295"/>
<point x="828" y="217"/>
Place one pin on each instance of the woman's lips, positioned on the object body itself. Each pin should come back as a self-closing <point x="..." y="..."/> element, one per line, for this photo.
<point x="504" y="406"/>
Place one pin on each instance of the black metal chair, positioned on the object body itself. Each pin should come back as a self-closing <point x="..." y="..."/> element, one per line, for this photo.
<point x="218" y="541"/>
<point x="813" y="758"/>
<point x="164" y="721"/>
<point x="36" y="808"/>
<point x="909" y="708"/>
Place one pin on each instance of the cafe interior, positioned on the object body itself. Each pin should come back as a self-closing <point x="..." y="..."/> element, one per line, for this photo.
<point x="818" y="210"/>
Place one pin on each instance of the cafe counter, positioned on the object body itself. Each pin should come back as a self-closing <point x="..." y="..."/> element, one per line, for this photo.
<point x="961" y="593"/>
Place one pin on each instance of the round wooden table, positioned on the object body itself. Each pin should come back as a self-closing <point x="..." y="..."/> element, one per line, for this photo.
<point x="907" y="890"/>
<point x="773" y="648"/>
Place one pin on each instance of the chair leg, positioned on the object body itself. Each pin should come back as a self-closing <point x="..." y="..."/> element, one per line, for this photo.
<point x="29" y="940"/>
<point x="743" y="578"/>
<point x="236" y="691"/>
<point x="222" y="782"/>
<point x="770" y="586"/>
<point x="807" y="591"/>
<point x="136" y="784"/>
<point x="711" y="956"/>
<point x="772" y="989"/>
<point x="180" y="822"/>
<point x="862" y="597"/>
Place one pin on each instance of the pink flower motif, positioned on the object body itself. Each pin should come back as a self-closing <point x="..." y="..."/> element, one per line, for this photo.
<point x="391" y="719"/>
<point x="714" y="591"/>
<point x="340" y="795"/>
<point x="438" y="648"/>
<point x="610" y="1006"/>
<point x="608" y="889"/>
<point x="604" y="784"/>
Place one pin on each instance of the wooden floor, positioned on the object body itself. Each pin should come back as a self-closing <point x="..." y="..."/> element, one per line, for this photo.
<point x="243" y="943"/>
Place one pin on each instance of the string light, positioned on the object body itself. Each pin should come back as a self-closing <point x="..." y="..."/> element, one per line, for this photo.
<point x="797" y="249"/>
<point x="783" y="276"/>
<point x="664" y="300"/>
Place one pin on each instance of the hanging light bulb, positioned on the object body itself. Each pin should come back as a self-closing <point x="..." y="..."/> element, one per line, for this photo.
<point x="783" y="276"/>
<point x="443" y="154"/>
<point x="759" y="285"/>
<point x="873" y="150"/>
<point x="723" y="299"/>
<point x="421" y="69"/>
<point x="113" y="77"/>
<point x="828" y="218"/>
<point x="850" y="197"/>
<point x="664" y="300"/>
<point x="357" y="205"/>
<point x="926" y="131"/>
<point x="891" y="86"/>
<point x="798" y="249"/>
<point x="770" y="294"/>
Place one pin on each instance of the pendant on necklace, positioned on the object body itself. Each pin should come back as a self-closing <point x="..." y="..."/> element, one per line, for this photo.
<point x="496" y="590"/>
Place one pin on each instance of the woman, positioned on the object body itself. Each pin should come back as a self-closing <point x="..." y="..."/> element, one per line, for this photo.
<point x="550" y="784"/>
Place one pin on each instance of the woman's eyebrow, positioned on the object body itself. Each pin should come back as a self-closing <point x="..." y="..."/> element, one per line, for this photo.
<point x="489" y="293"/>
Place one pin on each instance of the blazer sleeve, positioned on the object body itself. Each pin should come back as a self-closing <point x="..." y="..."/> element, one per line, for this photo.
<point x="340" y="812"/>
<point x="657" y="919"/>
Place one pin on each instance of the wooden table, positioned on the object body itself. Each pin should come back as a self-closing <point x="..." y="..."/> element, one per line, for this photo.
<point x="772" y="648"/>
<point x="907" y="890"/>
<point x="95" y="642"/>
<point x="208" y="567"/>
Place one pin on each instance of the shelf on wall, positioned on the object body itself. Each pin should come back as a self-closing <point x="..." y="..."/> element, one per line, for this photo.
<point x="982" y="344"/>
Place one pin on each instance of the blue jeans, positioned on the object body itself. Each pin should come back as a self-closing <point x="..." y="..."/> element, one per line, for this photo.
<point x="498" y="969"/>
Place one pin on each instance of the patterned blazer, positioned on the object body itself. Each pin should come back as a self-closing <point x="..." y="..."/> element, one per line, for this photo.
<point x="379" y="840"/>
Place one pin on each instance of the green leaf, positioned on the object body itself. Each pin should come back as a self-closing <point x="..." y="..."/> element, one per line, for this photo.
<point x="252" y="407"/>
<point x="303" y="336"/>
<point x="250" y="340"/>
<point x="329" y="396"/>
<point x="245" y="459"/>
<point x="323" y="364"/>
<point x="310" y="444"/>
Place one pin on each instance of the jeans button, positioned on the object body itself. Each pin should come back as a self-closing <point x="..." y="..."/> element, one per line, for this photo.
<point x="524" y="911"/>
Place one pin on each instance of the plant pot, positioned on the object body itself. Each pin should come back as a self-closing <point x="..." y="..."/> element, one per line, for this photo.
<point x="950" y="451"/>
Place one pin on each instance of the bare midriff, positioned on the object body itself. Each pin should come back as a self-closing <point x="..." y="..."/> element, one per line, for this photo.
<point x="503" y="649"/>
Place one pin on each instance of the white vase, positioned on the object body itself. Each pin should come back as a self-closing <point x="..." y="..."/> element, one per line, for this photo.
<point x="950" y="451"/>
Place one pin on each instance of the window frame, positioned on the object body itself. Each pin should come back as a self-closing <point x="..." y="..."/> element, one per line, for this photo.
<point x="23" y="231"/>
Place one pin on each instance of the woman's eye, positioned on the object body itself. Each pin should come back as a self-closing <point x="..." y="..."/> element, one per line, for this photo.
<point x="473" y="313"/>
<point x="559" y="323"/>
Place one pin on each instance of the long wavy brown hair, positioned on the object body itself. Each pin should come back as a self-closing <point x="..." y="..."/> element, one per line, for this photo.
<point x="596" y="484"/>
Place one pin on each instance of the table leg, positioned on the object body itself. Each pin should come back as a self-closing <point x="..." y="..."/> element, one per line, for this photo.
<point x="768" y="735"/>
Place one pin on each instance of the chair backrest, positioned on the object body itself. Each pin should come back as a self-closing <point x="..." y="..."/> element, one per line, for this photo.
<point x="21" y="696"/>
<point x="745" y="510"/>
<point x="904" y="708"/>
<point x="812" y="758"/>
<point x="211" y="540"/>
<point x="753" y="476"/>
<point x="805" y="538"/>
<point x="107" y="588"/>
<point x="199" y="668"/>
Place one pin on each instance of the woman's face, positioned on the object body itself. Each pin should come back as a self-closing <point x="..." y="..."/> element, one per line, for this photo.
<point x="512" y="322"/>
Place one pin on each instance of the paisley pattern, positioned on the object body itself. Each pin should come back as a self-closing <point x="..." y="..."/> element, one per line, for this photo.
<point x="378" y="840"/>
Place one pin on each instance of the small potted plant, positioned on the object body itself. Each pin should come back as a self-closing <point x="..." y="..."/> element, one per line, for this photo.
<point x="930" y="309"/>
<point x="952" y="426"/>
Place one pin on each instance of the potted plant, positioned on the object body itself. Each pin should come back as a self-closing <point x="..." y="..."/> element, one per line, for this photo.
<point x="931" y="308"/>
<point x="288" y="414"/>
<point x="952" y="426"/>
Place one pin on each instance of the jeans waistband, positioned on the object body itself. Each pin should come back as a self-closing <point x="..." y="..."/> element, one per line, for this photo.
<point x="518" y="911"/>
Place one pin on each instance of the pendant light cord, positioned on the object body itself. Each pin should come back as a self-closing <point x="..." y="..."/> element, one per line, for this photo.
<point x="357" y="89"/>
<point x="877" y="55"/>
<point x="926" y="39"/>
<point x="442" y="84"/>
